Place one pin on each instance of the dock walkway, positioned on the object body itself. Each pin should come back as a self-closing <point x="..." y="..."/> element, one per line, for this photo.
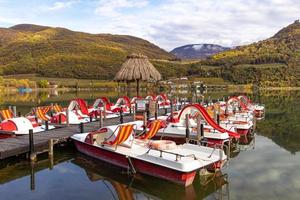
<point x="20" y="145"/>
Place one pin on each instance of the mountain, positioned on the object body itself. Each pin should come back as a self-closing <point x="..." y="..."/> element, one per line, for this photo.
<point x="59" y="52"/>
<point x="283" y="47"/>
<point x="273" y="61"/>
<point x="197" y="51"/>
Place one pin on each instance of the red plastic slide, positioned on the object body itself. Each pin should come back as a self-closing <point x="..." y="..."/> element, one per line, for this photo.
<point x="83" y="106"/>
<point x="210" y="121"/>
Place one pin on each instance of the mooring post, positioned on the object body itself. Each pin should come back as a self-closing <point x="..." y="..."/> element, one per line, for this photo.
<point x="19" y="114"/>
<point x="59" y="118"/>
<point x="101" y="119"/>
<point x="104" y="110"/>
<point x="187" y="129"/>
<point x="67" y="116"/>
<point x="148" y="111"/>
<point x="202" y="130"/>
<point x="47" y="125"/>
<point x="81" y="127"/>
<point x="32" y="155"/>
<point x="50" y="153"/>
<point x="134" y="112"/>
<point x="171" y="109"/>
<point x="121" y="116"/>
<point x="145" y="120"/>
<point x="32" y="176"/>
<point x="15" y="110"/>
<point x="199" y="137"/>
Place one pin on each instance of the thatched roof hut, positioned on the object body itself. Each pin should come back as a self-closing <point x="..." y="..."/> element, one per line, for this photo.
<point x="137" y="67"/>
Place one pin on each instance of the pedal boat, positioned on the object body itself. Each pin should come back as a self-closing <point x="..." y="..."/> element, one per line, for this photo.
<point x="119" y="146"/>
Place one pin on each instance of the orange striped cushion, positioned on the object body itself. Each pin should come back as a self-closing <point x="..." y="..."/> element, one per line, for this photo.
<point x="123" y="134"/>
<point x="57" y="108"/>
<point x="40" y="114"/>
<point x="6" y="114"/>
<point x="154" y="127"/>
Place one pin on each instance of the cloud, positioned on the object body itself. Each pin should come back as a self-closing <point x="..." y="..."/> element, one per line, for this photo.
<point x="168" y="23"/>
<point x="171" y="23"/>
<point x="112" y="8"/>
<point x="59" y="5"/>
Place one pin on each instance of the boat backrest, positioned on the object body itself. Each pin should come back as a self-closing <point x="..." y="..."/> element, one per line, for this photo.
<point x="57" y="108"/>
<point x="153" y="129"/>
<point x="123" y="133"/>
<point x="6" y="114"/>
<point x="41" y="114"/>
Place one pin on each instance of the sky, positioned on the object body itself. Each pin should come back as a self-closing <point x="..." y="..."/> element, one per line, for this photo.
<point x="166" y="23"/>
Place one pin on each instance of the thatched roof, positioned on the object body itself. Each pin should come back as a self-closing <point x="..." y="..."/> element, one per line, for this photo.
<point x="137" y="67"/>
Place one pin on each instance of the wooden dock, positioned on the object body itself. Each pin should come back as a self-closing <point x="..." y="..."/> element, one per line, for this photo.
<point x="20" y="145"/>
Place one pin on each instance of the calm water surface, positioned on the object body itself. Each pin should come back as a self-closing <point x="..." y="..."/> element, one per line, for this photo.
<point x="266" y="167"/>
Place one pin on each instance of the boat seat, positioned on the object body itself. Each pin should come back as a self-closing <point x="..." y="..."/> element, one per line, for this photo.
<point x="153" y="129"/>
<point x="98" y="138"/>
<point x="122" y="135"/>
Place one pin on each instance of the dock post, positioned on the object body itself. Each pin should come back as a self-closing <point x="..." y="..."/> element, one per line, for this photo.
<point x="67" y="116"/>
<point x="121" y="116"/>
<point x="19" y="114"/>
<point x="171" y="109"/>
<point x="101" y="119"/>
<point x="134" y="112"/>
<point x="32" y="155"/>
<point x="104" y="110"/>
<point x="202" y="130"/>
<point x="81" y="127"/>
<point x="59" y="118"/>
<point x="148" y="110"/>
<point x="15" y="110"/>
<point x="50" y="153"/>
<point x="32" y="176"/>
<point x="187" y="129"/>
<point x="145" y="120"/>
<point x="199" y="135"/>
<point x="47" y="125"/>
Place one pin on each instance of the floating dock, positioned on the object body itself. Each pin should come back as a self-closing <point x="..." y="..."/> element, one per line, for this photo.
<point x="19" y="145"/>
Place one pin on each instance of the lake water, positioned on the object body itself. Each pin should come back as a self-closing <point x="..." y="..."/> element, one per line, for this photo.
<point x="266" y="167"/>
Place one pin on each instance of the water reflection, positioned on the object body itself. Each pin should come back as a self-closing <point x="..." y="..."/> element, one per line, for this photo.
<point x="125" y="186"/>
<point x="281" y="123"/>
<point x="74" y="173"/>
<point x="261" y="167"/>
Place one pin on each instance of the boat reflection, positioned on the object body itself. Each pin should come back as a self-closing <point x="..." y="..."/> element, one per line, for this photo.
<point x="128" y="187"/>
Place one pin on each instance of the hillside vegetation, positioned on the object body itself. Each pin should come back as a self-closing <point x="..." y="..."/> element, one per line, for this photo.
<point x="271" y="62"/>
<point x="59" y="52"/>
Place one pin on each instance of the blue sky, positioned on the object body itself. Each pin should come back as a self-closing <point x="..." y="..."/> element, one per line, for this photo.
<point x="167" y="23"/>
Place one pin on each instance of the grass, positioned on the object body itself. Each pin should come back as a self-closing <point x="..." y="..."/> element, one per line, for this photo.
<point x="66" y="82"/>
